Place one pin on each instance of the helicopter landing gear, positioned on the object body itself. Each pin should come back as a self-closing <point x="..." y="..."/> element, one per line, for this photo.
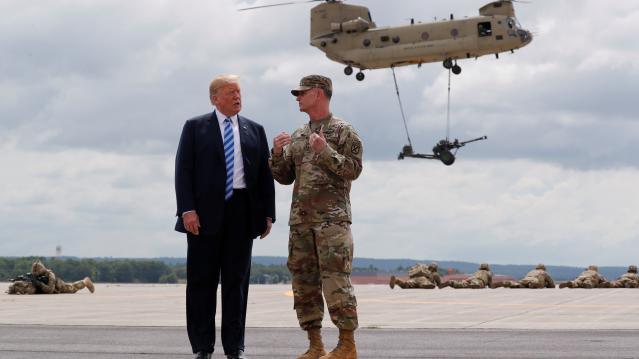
<point x="359" y="76"/>
<point x="448" y="64"/>
<point x="348" y="70"/>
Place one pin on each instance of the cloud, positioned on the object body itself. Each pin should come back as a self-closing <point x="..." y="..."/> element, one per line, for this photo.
<point x="93" y="97"/>
<point x="97" y="204"/>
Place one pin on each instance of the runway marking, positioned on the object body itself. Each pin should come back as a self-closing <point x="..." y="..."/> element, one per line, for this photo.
<point x="523" y="305"/>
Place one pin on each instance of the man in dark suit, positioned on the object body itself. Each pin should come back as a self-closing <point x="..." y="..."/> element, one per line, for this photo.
<point x="225" y="198"/>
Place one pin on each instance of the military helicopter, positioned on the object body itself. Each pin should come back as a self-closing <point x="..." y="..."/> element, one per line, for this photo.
<point x="348" y="35"/>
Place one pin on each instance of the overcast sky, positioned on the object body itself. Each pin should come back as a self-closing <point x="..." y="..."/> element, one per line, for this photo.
<point x="93" y="96"/>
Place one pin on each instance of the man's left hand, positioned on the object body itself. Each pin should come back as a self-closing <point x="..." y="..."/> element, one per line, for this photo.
<point x="269" y="225"/>
<point x="317" y="141"/>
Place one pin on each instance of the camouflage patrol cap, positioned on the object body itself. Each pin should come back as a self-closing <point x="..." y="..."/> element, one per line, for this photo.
<point x="593" y="267"/>
<point x="632" y="269"/>
<point x="540" y="266"/>
<point x="484" y="266"/>
<point x="313" y="81"/>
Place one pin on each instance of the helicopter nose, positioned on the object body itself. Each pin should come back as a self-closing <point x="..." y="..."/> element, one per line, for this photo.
<point x="525" y="36"/>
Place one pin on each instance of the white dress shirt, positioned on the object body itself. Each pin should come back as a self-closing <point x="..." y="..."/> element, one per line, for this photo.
<point x="238" y="163"/>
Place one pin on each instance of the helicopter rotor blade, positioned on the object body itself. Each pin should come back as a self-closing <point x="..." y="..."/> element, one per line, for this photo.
<point x="278" y="4"/>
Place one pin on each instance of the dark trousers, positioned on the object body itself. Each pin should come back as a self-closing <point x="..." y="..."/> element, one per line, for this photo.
<point x="225" y="255"/>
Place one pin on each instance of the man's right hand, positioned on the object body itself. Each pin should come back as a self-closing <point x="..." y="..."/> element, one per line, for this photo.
<point x="191" y="222"/>
<point x="280" y="141"/>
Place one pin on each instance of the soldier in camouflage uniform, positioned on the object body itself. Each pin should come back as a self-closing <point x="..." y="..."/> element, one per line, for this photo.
<point x="55" y="285"/>
<point x="590" y="278"/>
<point x="627" y="280"/>
<point x="535" y="279"/>
<point x="421" y="276"/>
<point x="321" y="159"/>
<point x="43" y="281"/>
<point x="481" y="279"/>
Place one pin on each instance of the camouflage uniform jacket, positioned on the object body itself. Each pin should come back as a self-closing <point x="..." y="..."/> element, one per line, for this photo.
<point x="422" y="270"/>
<point x="322" y="180"/>
<point x="483" y="275"/>
<point x="52" y="286"/>
<point x="630" y="276"/>
<point x="595" y="276"/>
<point x="418" y="270"/>
<point x="542" y="276"/>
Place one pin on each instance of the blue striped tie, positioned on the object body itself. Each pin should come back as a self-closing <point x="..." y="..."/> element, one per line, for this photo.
<point x="230" y="156"/>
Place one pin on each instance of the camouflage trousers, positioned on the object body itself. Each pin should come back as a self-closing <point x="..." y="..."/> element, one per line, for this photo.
<point x="468" y="283"/>
<point x="416" y="282"/>
<point x="624" y="283"/>
<point x="533" y="283"/>
<point x="320" y="257"/>
<point x="21" y="287"/>
<point x="583" y="283"/>
<point x="67" y="288"/>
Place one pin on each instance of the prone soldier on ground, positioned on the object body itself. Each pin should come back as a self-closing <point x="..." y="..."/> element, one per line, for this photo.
<point x="590" y="278"/>
<point x="535" y="279"/>
<point x="421" y="276"/>
<point x="481" y="279"/>
<point x="43" y="281"/>
<point x="629" y="279"/>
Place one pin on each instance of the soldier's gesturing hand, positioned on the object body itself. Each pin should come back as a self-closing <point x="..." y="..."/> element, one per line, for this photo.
<point x="280" y="141"/>
<point x="317" y="141"/>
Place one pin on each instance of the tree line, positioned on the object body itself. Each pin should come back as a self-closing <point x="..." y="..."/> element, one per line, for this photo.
<point x="127" y="270"/>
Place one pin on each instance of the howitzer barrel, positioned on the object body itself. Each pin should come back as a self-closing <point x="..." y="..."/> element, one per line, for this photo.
<point x="473" y="140"/>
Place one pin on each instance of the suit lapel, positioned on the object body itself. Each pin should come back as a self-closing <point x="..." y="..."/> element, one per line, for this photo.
<point x="245" y="138"/>
<point x="214" y="130"/>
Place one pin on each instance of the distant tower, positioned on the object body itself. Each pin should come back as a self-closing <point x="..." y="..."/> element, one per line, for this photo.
<point x="58" y="250"/>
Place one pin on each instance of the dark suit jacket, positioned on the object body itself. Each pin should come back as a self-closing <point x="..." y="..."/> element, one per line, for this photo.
<point x="200" y="174"/>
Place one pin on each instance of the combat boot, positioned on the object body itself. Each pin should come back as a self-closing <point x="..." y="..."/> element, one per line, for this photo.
<point x="565" y="285"/>
<point x="497" y="285"/>
<point x="315" y="347"/>
<point x="392" y="282"/>
<point x="89" y="284"/>
<point x="345" y="348"/>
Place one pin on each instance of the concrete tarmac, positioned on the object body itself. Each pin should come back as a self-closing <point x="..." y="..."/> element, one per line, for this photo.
<point x="147" y="321"/>
<point x="74" y="342"/>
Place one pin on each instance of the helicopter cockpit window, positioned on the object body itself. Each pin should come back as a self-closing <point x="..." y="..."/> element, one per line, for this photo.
<point x="511" y="23"/>
<point x="484" y="29"/>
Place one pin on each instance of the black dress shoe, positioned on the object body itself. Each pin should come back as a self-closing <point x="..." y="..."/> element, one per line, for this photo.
<point x="203" y="355"/>
<point x="239" y="355"/>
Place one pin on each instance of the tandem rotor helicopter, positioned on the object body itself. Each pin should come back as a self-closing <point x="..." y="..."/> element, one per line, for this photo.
<point x="348" y="35"/>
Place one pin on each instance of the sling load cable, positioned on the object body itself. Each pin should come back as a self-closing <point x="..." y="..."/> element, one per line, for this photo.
<point x="401" y="107"/>
<point x="448" y="111"/>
